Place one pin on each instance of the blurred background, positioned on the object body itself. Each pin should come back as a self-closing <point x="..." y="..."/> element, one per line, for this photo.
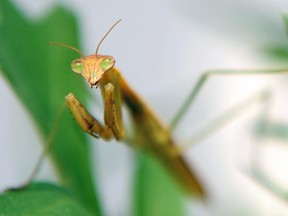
<point x="162" y="47"/>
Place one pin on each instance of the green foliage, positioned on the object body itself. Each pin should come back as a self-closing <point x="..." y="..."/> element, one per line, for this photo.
<point x="41" y="77"/>
<point x="41" y="199"/>
<point x="278" y="52"/>
<point x="285" y="19"/>
<point x="155" y="192"/>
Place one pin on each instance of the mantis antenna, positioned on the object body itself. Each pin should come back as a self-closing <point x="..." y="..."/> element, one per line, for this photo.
<point x="68" y="46"/>
<point x="78" y="51"/>
<point x="97" y="48"/>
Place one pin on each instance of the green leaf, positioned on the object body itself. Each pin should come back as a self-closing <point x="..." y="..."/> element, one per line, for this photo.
<point x="275" y="52"/>
<point x="41" y="76"/>
<point x="285" y="19"/>
<point x="156" y="193"/>
<point x="41" y="199"/>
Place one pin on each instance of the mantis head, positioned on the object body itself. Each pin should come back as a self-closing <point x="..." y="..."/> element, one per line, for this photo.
<point x="92" y="67"/>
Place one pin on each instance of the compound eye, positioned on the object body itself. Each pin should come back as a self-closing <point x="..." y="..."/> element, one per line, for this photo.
<point x="107" y="63"/>
<point x="77" y="66"/>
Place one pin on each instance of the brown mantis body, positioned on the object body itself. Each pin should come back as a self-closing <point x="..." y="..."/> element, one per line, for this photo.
<point x="152" y="135"/>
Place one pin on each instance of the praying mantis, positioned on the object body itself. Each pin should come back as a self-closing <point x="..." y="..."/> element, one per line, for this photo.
<point x="151" y="134"/>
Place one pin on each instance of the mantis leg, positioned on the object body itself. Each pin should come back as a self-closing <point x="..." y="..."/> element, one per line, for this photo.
<point x="85" y="120"/>
<point x="112" y="112"/>
<point x="232" y="112"/>
<point x="208" y="74"/>
<point x="262" y="97"/>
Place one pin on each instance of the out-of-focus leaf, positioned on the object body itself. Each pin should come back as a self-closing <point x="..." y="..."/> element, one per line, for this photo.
<point x="41" y="77"/>
<point x="41" y="199"/>
<point x="156" y="194"/>
<point x="277" y="52"/>
<point x="285" y="19"/>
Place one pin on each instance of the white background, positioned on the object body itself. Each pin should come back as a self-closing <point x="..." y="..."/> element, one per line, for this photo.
<point x="162" y="47"/>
